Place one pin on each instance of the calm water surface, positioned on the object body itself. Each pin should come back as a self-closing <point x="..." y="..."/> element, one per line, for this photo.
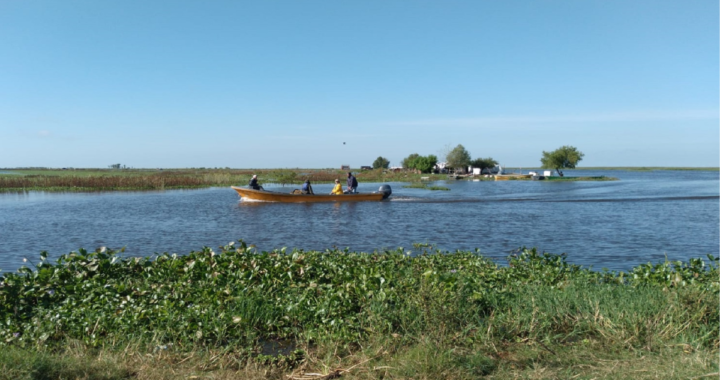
<point x="644" y="217"/>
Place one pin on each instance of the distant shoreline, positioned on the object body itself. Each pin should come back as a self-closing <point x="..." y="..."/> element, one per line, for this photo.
<point x="632" y="168"/>
<point x="84" y="180"/>
<point x="629" y="168"/>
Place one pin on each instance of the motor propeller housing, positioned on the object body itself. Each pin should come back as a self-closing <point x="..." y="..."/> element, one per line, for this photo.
<point x="386" y="190"/>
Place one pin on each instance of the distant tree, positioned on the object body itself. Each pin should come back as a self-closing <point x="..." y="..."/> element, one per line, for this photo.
<point x="425" y="164"/>
<point x="564" y="157"/>
<point x="409" y="161"/>
<point x="483" y="163"/>
<point x="381" y="163"/>
<point x="458" y="158"/>
<point x="115" y="166"/>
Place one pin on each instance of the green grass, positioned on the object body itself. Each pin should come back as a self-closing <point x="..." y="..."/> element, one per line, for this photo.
<point x="389" y="314"/>
<point x="22" y="364"/>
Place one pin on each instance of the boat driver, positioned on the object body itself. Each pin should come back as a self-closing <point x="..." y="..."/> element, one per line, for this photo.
<point x="352" y="183"/>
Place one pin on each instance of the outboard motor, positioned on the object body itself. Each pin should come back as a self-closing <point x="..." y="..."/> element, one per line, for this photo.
<point x="386" y="190"/>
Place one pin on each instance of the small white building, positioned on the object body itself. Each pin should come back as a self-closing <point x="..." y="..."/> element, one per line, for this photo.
<point x="440" y="167"/>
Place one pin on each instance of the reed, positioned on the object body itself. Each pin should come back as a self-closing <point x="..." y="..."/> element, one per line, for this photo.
<point x="114" y="180"/>
<point x="147" y="179"/>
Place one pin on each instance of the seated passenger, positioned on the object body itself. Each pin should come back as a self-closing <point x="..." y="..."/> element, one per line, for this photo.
<point x="254" y="184"/>
<point x="337" y="190"/>
<point x="307" y="187"/>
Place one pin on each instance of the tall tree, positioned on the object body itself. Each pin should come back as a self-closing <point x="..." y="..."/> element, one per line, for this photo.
<point x="425" y="164"/>
<point x="483" y="163"/>
<point x="381" y="163"/>
<point x="458" y="158"/>
<point x="409" y="161"/>
<point x="564" y="157"/>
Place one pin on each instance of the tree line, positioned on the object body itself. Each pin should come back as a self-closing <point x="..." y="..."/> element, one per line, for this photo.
<point x="565" y="157"/>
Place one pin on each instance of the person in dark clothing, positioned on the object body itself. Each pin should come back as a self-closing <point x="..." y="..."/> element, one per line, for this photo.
<point x="254" y="184"/>
<point x="352" y="183"/>
<point x="307" y="187"/>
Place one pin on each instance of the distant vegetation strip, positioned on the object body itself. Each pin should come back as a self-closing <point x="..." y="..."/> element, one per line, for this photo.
<point x="313" y="310"/>
<point x="146" y="179"/>
<point x="133" y="179"/>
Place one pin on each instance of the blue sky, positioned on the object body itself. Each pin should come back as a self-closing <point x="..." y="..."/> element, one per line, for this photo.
<point x="259" y="84"/>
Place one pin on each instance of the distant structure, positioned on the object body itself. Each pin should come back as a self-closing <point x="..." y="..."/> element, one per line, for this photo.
<point x="440" y="167"/>
<point x="344" y="167"/>
<point x="366" y="168"/>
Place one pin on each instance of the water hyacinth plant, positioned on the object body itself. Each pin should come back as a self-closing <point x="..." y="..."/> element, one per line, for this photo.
<point x="244" y="301"/>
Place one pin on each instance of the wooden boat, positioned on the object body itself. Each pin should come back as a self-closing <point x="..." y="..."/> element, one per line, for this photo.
<point x="271" y="196"/>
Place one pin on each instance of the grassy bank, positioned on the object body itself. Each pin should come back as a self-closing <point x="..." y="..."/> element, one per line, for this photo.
<point x="240" y="313"/>
<point x="147" y="179"/>
<point x="143" y="179"/>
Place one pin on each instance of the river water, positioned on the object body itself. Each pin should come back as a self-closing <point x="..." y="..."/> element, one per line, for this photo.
<point x="644" y="217"/>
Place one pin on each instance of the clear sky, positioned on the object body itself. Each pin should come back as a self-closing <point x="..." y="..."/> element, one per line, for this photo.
<point x="317" y="84"/>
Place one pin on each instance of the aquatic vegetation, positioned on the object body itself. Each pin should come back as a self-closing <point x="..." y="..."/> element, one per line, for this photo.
<point x="156" y="179"/>
<point x="273" y="307"/>
<point x="424" y="186"/>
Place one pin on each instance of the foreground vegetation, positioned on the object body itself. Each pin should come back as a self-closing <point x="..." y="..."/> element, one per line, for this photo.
<point x="391" y="314"/>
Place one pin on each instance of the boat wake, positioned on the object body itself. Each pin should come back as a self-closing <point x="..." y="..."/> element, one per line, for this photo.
<point x="545" y="200"/>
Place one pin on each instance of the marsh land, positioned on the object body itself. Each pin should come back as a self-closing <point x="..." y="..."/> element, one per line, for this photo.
<point x="61" y="180"/>
<point x="235" y="312"/>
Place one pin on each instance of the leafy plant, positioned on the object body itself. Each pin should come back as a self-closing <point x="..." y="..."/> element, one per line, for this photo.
<point x="483" y="163"/>
<point x="381" y="163"/>
<point x="458" y="158"/>
<point x="564" y="157"/>
<point x="240" y="299"/>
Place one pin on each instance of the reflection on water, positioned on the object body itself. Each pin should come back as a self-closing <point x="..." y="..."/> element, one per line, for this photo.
<point x="643" y="217"/>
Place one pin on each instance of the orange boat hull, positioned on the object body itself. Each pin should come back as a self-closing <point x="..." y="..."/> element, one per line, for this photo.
<point x="270" y="196"/>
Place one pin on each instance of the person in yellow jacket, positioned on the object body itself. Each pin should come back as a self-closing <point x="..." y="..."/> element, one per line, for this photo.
<point x="337" y="190"/>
